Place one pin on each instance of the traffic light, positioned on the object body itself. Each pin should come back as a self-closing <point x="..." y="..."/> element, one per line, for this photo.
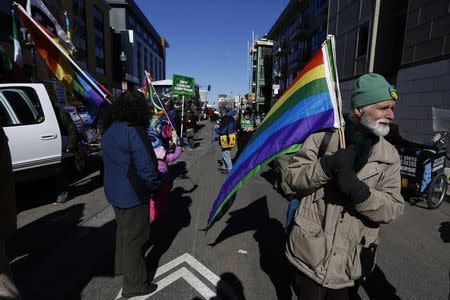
<point x="209" y="87"/>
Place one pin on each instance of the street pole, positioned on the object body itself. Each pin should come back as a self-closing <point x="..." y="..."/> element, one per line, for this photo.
<point x="182" y="117"/>
<point x="123" y="61"/>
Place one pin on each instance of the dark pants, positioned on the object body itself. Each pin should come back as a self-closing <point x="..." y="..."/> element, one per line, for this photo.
<point x="133" y="234"/>
<point x="190" y="142"/>
<point x="242" y="141"/>
<point x="307" y="289"/>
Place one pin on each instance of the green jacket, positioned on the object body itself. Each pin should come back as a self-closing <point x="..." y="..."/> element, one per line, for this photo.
<point x="329" y="233"/>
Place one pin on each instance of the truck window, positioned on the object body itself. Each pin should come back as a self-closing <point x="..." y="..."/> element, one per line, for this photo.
<point x="5" y="118"/>
<point x="22" y="106"/>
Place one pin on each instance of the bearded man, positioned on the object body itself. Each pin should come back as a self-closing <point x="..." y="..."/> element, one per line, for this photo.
<point x="346" y="196"/>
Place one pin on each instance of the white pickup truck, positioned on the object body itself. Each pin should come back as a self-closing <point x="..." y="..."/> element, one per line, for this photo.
<point x="33" y="131"/>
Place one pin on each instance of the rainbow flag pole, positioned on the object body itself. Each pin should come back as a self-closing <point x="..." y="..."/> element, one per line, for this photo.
<point x="310" y="104"/>
<point x="59" y="69"/>
<point x="152" y="90"/>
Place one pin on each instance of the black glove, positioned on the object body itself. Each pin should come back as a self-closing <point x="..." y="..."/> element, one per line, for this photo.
<point x="341" y="159"/>
<point x="350" y="185"/>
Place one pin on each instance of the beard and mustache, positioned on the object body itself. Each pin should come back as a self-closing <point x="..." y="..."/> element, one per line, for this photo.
<point x="378" y="127"/>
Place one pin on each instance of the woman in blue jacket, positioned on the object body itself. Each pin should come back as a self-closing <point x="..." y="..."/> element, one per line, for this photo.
<point x="130" y="178"/>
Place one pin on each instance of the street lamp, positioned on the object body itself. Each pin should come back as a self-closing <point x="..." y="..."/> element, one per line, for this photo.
<point x="123" y="62"/>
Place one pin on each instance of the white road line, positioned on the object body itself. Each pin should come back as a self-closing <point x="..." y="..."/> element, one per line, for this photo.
<point x="195" y="264"/>
<point x="187" y="275"/>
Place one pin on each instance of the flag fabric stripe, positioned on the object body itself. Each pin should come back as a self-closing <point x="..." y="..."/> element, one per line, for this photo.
<point x="77" y="82"/>
<point x="313" y="87"/>
<point x="309" y="105"/>
<point x="313" y="70"/>
<point x="17" y="50"/>
<point x="233" y="183"/>
<point x="220" y="209"/>
<point x="6" y="64"/>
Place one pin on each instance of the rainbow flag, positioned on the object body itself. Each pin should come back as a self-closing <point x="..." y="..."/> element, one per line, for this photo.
<point x="77" y="82"/>
<point x="310" y="104"/>
<point x="149" y="92"/>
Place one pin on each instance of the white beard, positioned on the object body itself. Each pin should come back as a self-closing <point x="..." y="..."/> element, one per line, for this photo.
<point x="374" y="126"/>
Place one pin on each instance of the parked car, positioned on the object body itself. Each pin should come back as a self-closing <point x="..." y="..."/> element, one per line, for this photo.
<point x="34" y="135"/>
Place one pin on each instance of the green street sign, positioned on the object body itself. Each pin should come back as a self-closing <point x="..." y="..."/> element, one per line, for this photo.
<point x="183" y="86"/>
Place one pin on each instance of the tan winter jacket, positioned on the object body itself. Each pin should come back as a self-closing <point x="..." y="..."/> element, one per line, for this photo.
<point x="329" y="232"/>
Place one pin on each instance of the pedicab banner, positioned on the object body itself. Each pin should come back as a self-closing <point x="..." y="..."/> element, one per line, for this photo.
<point x="310" y="104"/>
<point x="183" y="86"/>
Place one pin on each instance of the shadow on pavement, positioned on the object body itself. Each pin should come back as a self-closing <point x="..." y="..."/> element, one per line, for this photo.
<point x="378" y="287"/>
<point x="32" y="195"/>
<point x="251" y="217"/>
<point x="270" y="175"/>
<point x="38" y="193"/>
<point x="444" y="229"/>
<point x="228" y="287"/>
<point x="178" y="170"/>
<point x="271" y="240"/>
<point x="54" y="258"/>
<point x="163" y="232"/>
<point x="86" y="186"/>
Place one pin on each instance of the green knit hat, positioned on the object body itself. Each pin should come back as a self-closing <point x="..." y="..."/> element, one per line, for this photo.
<point x="372" y="88"/>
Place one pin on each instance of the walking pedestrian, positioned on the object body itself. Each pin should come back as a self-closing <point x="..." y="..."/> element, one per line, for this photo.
<point x="165" y="152"/>
<point x="8" y="218"/>
<point x="226" y="130"/>
<point x="347" y="195"/>
<point x="246" y="126"/>
<point x="131" y="177"/>
<point x="190" y="124"/>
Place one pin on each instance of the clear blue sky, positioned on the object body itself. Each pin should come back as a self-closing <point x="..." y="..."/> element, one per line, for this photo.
<point x="208" y="38"/>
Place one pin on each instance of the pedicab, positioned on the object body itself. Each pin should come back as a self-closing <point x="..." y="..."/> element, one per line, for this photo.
<point x="423" y="166"/>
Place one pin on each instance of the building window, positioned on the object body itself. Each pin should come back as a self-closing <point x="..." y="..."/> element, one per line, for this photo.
<point x="363" y="39"/>
<point x="146" y="63"/>
<point x="78" y="24"/>
<point x="154" y="67"/>
<point x="317" y="5"/>
<point x="99" y="41"/>
<point x="131" y="22"/>
<point x="151" y="65"/>
<point x="318" y="38"/>
<point x="139" y="61"/>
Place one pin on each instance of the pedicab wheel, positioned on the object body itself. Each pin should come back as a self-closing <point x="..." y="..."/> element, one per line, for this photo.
<point x="436" y="191"/>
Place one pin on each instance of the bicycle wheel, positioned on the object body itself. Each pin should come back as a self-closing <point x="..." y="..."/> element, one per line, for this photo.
<point x="436" y="191"/>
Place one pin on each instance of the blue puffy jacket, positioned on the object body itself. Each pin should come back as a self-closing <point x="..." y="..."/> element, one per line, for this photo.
<point x="227" y="124"/>
<point x="131" y="170"/>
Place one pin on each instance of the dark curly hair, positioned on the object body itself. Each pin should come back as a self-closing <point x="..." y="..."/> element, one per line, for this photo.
<point x="130" y="106"/>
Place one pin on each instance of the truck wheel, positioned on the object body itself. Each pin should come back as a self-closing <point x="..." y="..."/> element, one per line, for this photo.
<point x="436" y="191"/>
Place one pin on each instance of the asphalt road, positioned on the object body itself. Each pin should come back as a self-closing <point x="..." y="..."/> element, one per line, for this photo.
<point x="67" y="251"/>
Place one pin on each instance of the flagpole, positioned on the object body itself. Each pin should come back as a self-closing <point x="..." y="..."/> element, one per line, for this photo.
<point x="182" y="116"/>
<point x="159" y="99"/>
<point x="63" y="51"/>
<point x="69" y="34"/>
<point x="337" y="91"/>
